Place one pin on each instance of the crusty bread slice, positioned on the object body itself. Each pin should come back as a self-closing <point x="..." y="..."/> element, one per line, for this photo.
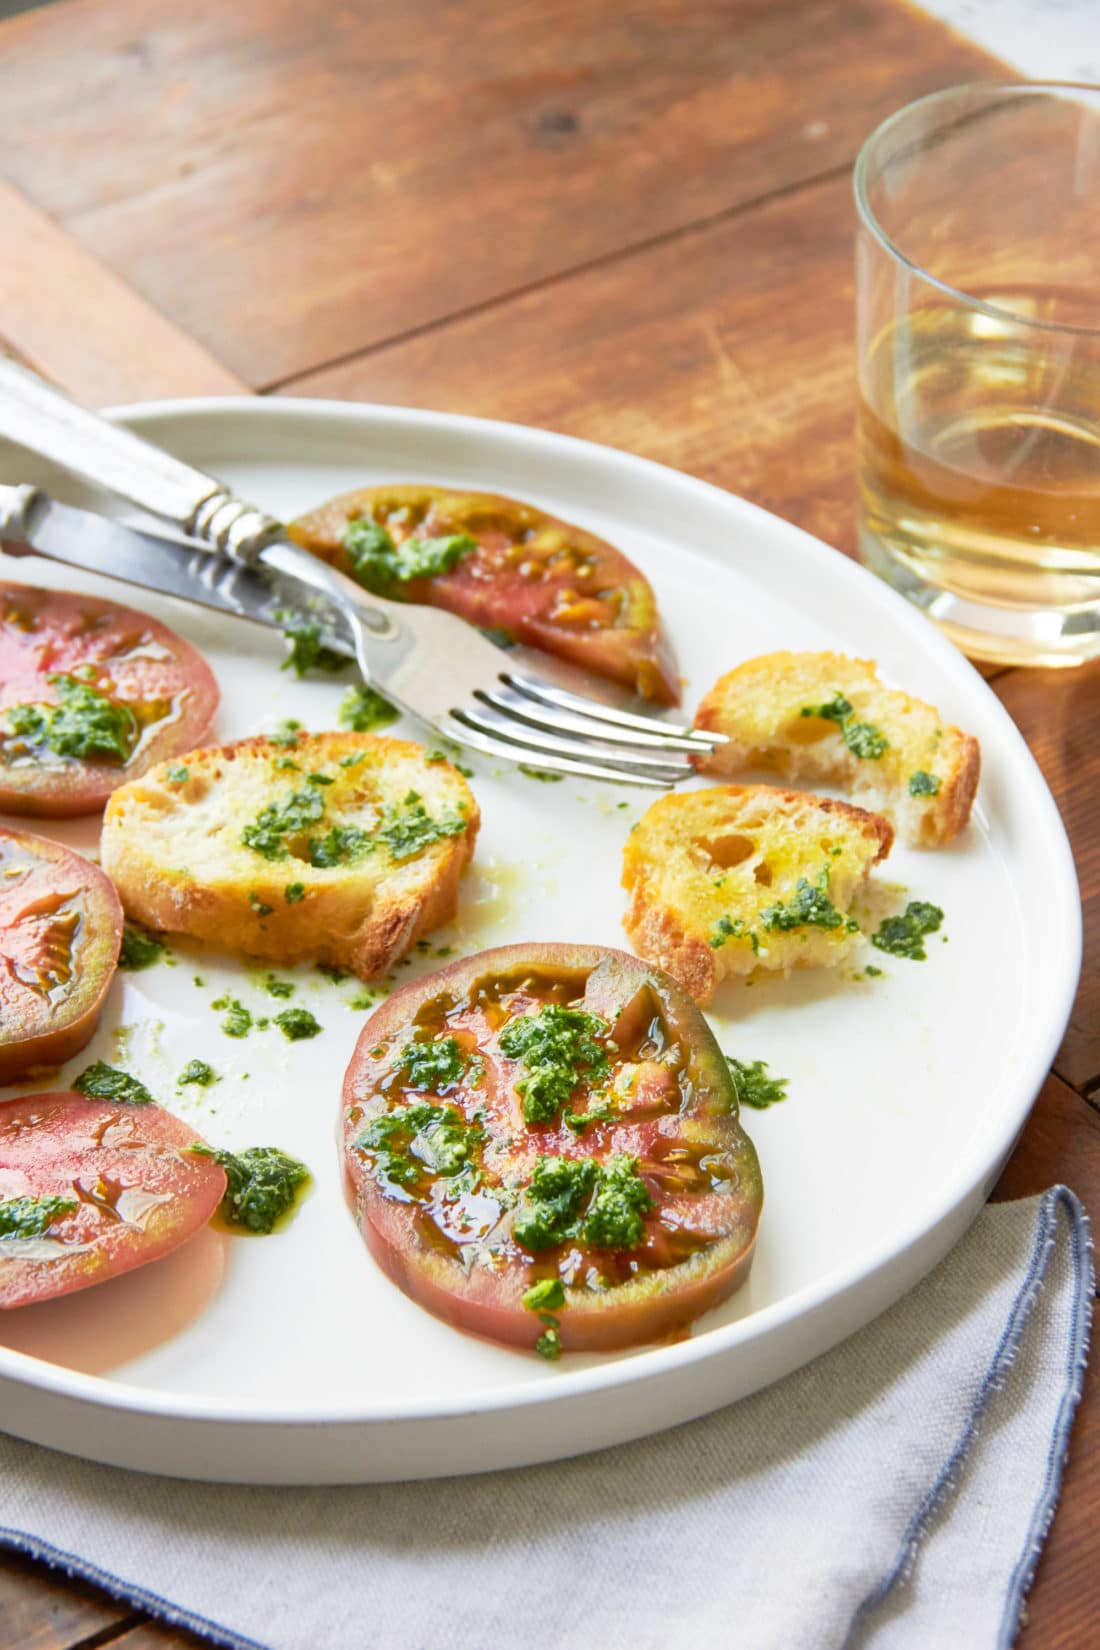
<point x="739" y="877"/>
<point x="191" y="849"/>
<point x="923" y="778"/>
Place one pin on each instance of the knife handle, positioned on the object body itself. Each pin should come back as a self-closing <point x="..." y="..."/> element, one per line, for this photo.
<point x="35" y="415"/>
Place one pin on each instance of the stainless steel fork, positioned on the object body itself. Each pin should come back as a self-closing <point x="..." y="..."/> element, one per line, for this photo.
<point x="439" y="669"/>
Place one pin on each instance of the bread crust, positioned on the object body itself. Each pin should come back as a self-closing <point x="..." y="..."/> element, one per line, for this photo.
<point x="730" y="852"/>
<point x="759" y="708"/>
<point x="175" y="854"/>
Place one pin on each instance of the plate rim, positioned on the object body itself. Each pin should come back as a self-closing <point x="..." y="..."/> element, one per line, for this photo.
<point x="106" y="1393"/>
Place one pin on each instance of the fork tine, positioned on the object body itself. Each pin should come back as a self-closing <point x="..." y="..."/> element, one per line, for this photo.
<point x="454" y="728"/>
<point x="554" y="720"/>
<point x="537" y="742"/>
<point x="671" y="734"/>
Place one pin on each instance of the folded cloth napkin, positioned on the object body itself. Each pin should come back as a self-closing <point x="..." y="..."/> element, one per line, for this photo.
<point x="895" y="1493"/>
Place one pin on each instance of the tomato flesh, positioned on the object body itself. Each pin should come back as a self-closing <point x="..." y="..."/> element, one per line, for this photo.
<point x="542" y="581"/>
<point x="137" y="1189"/>
<point x="129" y="658"/>
<point x="60" y="931"/>
<point x="443" y="1212"/>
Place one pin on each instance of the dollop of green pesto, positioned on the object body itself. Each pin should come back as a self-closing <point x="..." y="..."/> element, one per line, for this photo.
<point x="268" y="833"/>
<point x="32" y="1217"/>
<point x="103" y="1082"/>
<point x="199" y="1073"/>
<point x="432" y="1066"/>
<point x="923" y="784"/>
<point x="409" y="829"/>
<point x="382" y="566"/>
<point x="298" y="1024"/>
<point x="548" y="1345"/>
<point x="420" y="1138"/>
<point x="753" y="1085"/>
<point x="809" y="907"/>
<point x="262" y="1184"/>
<point x="293" y="892"/>
<point x="571" y="1198"/>
<point x="548" y="1295"/>
<point x="363" y="710"/>
<point x="727" y="928"/>
<point x="307" y="650"/>
<point x="342" y="845"/>
<point x="238" y="1019"/>
<point x="139" y="949"/>
<point x="558" y="1049"/>
<point x="275" y="987"/>
<point x="862" y="738"/>
<point x="904" y="936"/>
<point x="83" y="724"/>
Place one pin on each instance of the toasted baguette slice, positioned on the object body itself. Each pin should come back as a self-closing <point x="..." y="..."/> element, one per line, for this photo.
<point x="924" y="779"/>
<point x="740" y="877"/>
<point x="396" y="830"/>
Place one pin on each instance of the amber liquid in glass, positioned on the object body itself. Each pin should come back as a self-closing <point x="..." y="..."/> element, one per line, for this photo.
<point x="980" y="455"/>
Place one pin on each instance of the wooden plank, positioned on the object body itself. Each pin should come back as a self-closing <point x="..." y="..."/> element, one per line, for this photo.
<point x="291" y="184"/>
<point x="728" y="352"/>
<point x="1061" y="1142"/>
<point x="66" y="314"/>
<point x="41" y="1610"/>
<point x="1058" y="712"/>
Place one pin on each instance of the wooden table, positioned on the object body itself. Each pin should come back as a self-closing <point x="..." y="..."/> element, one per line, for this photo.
<point x="626" y="219"/>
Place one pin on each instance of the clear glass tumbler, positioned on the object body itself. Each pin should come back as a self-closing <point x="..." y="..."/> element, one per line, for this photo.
<point x="978" y="298"/>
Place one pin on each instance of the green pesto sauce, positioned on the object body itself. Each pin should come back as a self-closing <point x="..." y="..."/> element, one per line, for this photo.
<point x="548" y="1345"/>
<point x="298" y="1024"/>
<point x="278" y="820"/>
<point x="199" y="1073"/>
<point x="419" y="1139"/>
<point x="262" y="1185"/>
<point x="904" y="936"/>
<point x="753" y="1085"/>
<point x="307" y="651"/>
<point x="140" y="949"/>
<point x="570" y="1199"/>
<point x="238" y="1019"/>
<point x="432" y="1066"/>
<point x="293" y="892"/>
<point x="558" y="1048"/>
<point x="810" y="907"/>
<point x="287" y="733"/>
<point x="382" y="566"/>
<point x="342" y="845"/>
<point x="923" y="784"/>
<point x="278" y="988"/>
<point x="540" y="774"/>
<point x="862" y="738"/>
<point x="548" y="1295"/>
<point x="32" y="1217"/>
<point x="103" y="1082"/>
<point x="410" y="829"/>
<point x="362" y="710"/>
<point x="83" y="724"/>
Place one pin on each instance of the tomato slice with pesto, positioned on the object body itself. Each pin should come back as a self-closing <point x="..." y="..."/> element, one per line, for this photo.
<point x="91" y="695"/>
<point x="506" y="567"/>
<point x="60" y="932"/>
<point x="542" y="1146"/>
<point x="92" y="1188"/>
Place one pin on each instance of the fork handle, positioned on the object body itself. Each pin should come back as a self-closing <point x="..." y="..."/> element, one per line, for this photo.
<point x="35" y="415"/>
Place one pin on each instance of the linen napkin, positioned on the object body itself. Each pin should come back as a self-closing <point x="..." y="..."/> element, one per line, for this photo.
<point x="892" y="1495"/>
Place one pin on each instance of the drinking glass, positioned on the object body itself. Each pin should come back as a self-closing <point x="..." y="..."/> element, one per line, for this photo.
<point x="978" y="301"/>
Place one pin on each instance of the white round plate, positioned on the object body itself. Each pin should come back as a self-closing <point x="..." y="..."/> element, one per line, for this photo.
<point x="291" y="1359"/>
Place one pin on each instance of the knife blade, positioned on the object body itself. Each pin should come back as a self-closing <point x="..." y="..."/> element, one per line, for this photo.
<point x="33" y="523"/>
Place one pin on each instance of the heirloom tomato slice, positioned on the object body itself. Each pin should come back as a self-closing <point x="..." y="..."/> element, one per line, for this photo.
<point x="542" y="1146"/>
<point x="60" y="931"/>
<point x="93" y="1188"/>
<point x="505" y="566"/>
<point x="91" y="695"/>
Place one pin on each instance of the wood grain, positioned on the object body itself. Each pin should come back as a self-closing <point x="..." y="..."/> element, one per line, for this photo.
<point x="727" y="352"/>
<point x="75" y="321"/>
<point x="41" y="1611"/>
<point x="291" y="185"/>
<point x="1058" y="713"/>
